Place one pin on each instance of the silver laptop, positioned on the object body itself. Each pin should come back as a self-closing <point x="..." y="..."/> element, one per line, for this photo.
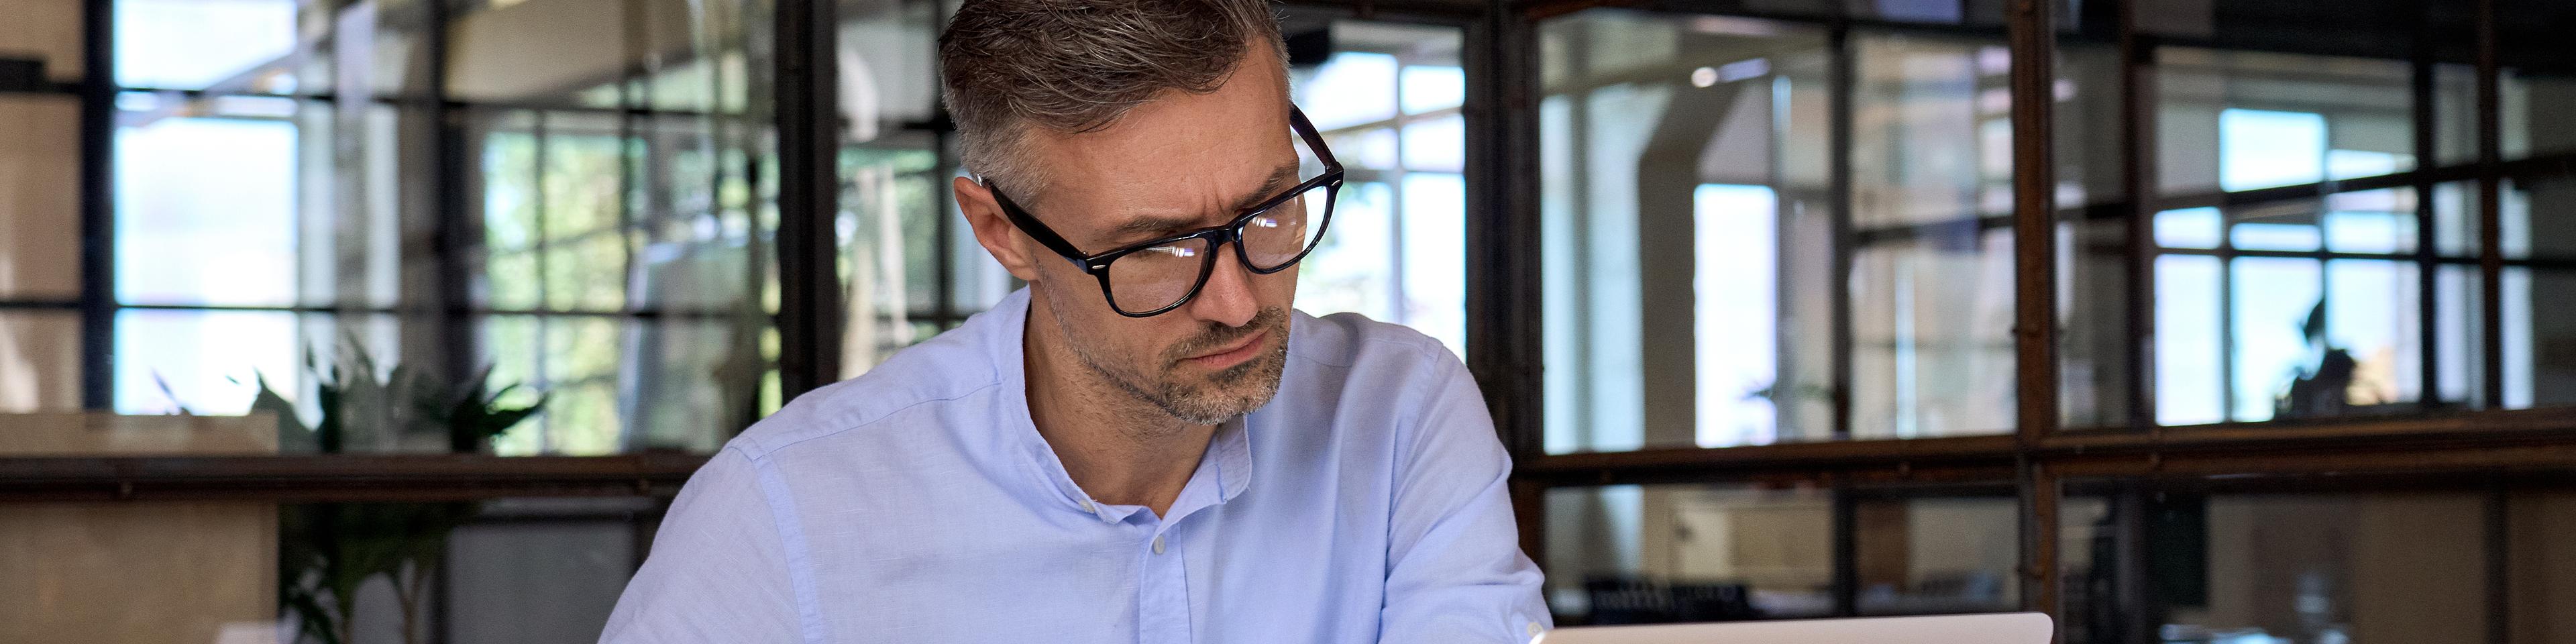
<point x="2012" y="628"/>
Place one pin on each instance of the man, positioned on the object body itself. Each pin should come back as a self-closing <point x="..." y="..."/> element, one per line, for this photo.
<point x="1145" y="445"/>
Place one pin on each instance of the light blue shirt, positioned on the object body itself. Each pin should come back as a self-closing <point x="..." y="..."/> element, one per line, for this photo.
<point x="1367" y="502"/>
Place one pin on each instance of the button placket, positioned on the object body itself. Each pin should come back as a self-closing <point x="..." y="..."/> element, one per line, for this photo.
<point x="1163" y="594"/>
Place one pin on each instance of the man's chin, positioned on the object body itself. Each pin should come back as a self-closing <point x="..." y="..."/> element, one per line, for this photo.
<point x="1233" y="391"/>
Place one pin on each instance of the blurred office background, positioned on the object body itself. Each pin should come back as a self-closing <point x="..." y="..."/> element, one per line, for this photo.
<point x="2190" y="321"/>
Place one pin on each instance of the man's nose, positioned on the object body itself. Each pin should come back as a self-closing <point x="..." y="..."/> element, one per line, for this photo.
<point x="1227" y="298"/>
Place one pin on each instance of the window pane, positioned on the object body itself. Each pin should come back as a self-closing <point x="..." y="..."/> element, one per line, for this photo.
<point x="2097" y="336"/>
<point x="1341" y="275"/>
<point x="1432" y="259"/>
<point x="2459" y="333"/>
<point x="2539" y="345"/>
<point x="39" y="164"/>
<point x="2241" y="120"/>
<point x="207" y="210"/>
<point x="1931" y="281"/>
<point x="1431" y="88"/>
<point x="511" y="52"/>
<point x="1640" y="554"/>
<point x="201" y="362"/>
<point x="200" y="44"/>
<point x="2262" y="149"/>
<point x="1395" y="250"/>
<point x="891" y="224"/>
<point x="1351" y="88"/>
<point x="2189" y="353"/>
<point x="1939" y="554"/>
<point x="1932" y="355"/>
<point x="2537" y="218"/>
<point x="888" y="51"/>
<point x="1372" y="149"/>
<point x="2273" y="301"/>
<point x="46" y="31"/>
<point x="1436" y="145"/>
<point x="2188" y="228"/>
<point x="1684" y="225"/>
<point x="2259" y="567"/>
<point x="1630" y="554"/>
<point x="2537" y="88"/>
<point x="40" y="362"/>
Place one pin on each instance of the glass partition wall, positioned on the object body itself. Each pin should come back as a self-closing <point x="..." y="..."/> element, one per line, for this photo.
<point x="2183" y="321"/>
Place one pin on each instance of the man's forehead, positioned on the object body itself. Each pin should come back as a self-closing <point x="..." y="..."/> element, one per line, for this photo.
<point x="1123" y="186"/>
<point x="1190" y="213"/>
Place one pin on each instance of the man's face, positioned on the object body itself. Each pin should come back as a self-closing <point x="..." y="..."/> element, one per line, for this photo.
<point x="1179" y="163"/>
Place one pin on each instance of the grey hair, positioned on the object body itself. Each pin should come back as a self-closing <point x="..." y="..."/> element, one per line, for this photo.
<point x="1078" y="65"/>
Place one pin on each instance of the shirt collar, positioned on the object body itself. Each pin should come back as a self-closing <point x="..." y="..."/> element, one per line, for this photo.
<point x="1003" y="330"/>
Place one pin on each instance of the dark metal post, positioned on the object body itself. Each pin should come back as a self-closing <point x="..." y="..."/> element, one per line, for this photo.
<point x="809" y="136"/>
<point x="2031" y="27"/>
<point x="1846" y="553"/>
<point x="2427" y="271"/>
<point x="2499" y="562"/>
<point x="1503" y="280"/>
<point x="457" y="231"/>
<point x="2490" y="207"/>
<point x="98" y="204"/>
<point x="1840" y="82"/>
<point x="2137" y="161"/>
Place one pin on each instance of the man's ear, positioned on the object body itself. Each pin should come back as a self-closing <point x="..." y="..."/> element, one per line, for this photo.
<point x="992" y="229"/>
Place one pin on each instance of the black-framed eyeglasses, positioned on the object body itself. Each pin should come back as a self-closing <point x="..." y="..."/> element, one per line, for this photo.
<point x="1150" y="278"/>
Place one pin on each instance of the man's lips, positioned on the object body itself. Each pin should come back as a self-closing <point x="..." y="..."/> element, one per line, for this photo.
<point x="1229" y="356"/>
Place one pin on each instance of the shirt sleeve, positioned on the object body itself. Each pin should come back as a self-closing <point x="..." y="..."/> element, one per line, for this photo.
<point x="1455" y="570"/>
<point x="718" y="571"/>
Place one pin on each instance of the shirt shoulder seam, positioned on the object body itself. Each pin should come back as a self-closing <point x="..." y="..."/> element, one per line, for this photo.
<point x="791" y="543"/>
<point x="766" y="450"/>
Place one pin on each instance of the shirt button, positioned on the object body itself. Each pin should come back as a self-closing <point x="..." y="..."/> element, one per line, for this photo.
<point x="1534" y="629"/>
<point x="1087" y="507"/>
<point x="1158" y="544"/>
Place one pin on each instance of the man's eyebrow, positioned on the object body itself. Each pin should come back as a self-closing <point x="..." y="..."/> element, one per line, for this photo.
<point x="1270" y="186"/>
<point x="1278" y="180"/>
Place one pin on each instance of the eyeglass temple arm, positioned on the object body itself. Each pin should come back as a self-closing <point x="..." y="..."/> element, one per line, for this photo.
<point x="1033" y="228"/>
<point x="1314" y="139"/>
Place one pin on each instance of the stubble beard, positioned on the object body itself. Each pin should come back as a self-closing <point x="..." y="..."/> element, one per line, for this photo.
<point x="1221" y="396"/>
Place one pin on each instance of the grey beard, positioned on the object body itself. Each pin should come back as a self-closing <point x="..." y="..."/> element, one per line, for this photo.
<point x="1180" y="403"/>
<point x="1196" y="407"/>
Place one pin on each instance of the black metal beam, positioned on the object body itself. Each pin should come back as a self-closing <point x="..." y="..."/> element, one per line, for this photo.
<point x="1842" y="81"/>
<point x="2499" y="561"/>
<point x="2137" y="167"/>
<point x="2490" y="207"/>
<point x="2031" y="30"/>
<point x="807" y="86"/>
<point x="1504" y="334"/>
<point x="98" y="204"/>
<point x="2420" y="104"/>
<point x="457" y="232"/>
<point x="340" y="477"/>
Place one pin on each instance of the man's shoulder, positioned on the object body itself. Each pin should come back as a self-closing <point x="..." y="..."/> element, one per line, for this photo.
<point x="1351" y="340"/>
<point x="952" y="368"/>
<point x="1357" y="365"/>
